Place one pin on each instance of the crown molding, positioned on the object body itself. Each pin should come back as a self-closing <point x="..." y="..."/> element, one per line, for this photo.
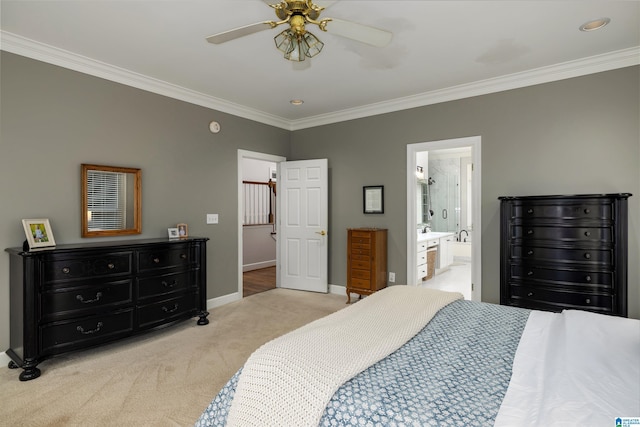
<point x="581" y="67"/>
<point x="42" y="52"/>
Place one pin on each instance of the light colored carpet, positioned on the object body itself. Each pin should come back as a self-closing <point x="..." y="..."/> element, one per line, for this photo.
<point x="165" y="378"/>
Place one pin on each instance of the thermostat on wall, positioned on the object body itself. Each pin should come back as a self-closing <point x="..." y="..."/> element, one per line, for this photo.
<point x="214" y="127"/>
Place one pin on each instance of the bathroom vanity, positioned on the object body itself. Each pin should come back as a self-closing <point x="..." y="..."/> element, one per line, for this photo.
<point x="433" y="241"/>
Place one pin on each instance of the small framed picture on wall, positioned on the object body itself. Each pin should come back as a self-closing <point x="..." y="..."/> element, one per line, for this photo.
<point x="373" y="199"/>
<point x="183" y="230"/>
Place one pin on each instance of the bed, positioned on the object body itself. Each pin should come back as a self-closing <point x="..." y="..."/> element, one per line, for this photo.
<point x="408" y="356"/>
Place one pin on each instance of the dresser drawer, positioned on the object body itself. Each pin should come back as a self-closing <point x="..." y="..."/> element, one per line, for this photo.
<point x="596" y="279"/>
<point x="568" y="211"/>
<point x="586" y="234"/>
<point x="80" y="333"/>
<point x="361" y="274"/>
<point x="360" y="283"/>
<point x="360" y="236"/>
<point x="557" y="300"/>
<point x="360" y="250"/>
<point x="422" y="246"/>
<point x="569" y="255"/>
<point x="361" y="264"/>
<point x="103" y="265"/>
<point x="165" y="284"/>
<point x="74" y="301"/>
<point x="166" y="310"/>
<point x="164" y="258"/>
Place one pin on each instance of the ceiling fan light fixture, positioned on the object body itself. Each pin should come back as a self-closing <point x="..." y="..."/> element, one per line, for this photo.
<point x="298" y="47"/>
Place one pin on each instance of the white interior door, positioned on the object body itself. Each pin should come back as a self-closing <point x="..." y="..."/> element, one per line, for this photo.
<point x="302" y="247"/>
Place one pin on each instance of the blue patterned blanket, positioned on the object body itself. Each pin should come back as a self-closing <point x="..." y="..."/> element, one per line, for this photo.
<point x="455" y="372"/>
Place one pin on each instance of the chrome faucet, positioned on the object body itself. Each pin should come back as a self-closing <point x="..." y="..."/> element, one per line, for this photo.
<point x="460" y="235"/>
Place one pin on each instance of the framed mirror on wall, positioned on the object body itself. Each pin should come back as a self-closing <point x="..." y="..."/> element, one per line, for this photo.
<point x="111" y="201"/>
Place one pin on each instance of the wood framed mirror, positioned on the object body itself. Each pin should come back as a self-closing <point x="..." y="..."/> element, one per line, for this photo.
<point x="111" y="201"/>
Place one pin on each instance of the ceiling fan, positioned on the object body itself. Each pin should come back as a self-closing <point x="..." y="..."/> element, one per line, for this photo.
<point x="296" y="42"/>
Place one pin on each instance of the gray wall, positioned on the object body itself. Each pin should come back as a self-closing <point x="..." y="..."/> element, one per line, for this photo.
<point x="54" y="119"/>
<point x="573" y="136"/>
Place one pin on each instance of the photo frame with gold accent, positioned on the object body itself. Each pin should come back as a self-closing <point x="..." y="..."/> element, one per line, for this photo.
<point x="183" y="230"/>
<point x="38" y="233"/>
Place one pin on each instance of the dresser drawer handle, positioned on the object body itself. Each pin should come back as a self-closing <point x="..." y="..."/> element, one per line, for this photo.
<point x="587" y="211"/>
<point x="529" y="273"/>
<point x="588" y="301"/>
<point x="587" y="233"/>
<point x="529" y="232"/>
<point x="92" y="331"/>
<point x="66" y="270"/>
<point x="111" y="266"/>
<point x="529" y="252"/>
<point x="530" y="294"/>
<point x="183" y="256"/>
<point x="89" y="301"/>
<point x="169" y="285"/>
<point x="529" y="211"/>
<point x="170" y="310"/>
<point x="587" y="255"/>
<point x="587" y="278"/>
<point x="156" y="260"/>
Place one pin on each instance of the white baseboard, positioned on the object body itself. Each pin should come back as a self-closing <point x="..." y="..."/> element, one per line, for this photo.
<point x="4" y="359"/>
<point x="258" y="265"/>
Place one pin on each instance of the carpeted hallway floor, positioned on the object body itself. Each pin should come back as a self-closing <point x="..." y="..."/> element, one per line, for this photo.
<point x="165" y="378"/>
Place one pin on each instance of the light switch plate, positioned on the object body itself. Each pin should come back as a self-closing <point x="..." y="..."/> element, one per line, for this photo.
<point x="212" y="218"/>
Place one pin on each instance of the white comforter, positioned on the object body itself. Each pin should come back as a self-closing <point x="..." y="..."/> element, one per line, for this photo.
<point x="574" y="368"/>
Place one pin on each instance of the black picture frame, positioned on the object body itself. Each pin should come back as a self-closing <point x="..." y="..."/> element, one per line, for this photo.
<point x="373" y="199"/>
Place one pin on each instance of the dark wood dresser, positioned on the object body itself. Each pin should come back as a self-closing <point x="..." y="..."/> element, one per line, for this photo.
<point x="366" y="260"/>
<point x="560" y="252"/>
<point x="82" y="295"/>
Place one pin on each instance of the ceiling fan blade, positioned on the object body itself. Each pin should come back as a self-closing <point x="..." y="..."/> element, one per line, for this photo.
<point x="362" y="33"/>
<point x="239" y="32"/>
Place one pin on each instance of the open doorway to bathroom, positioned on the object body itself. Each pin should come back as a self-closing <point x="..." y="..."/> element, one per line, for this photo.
<point x="443" y="220"/>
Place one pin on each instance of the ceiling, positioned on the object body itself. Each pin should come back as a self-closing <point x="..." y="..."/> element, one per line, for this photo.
<point x="441" y="50"/>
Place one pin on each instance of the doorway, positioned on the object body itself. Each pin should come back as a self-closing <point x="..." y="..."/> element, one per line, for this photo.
<point x="261" y="275"/>
<point x="460" y="210"/>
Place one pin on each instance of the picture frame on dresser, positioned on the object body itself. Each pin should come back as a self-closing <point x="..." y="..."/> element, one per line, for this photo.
<point x="38" y="233"/>
<point x="373" y="199"/>
<point x="173" y="233"/>
<point x="183" y="230"/>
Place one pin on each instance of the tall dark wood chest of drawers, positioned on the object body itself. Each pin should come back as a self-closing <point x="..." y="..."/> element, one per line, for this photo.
<point x="82" y="295"/>
<point x="560" y="252"/>
<point x="366" y="260"/>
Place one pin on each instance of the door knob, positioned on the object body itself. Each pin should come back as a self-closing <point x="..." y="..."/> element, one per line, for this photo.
<point x="322" y="233"/>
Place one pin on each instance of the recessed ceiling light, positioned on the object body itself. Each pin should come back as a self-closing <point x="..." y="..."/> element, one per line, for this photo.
<point x="595" y="24"/>
<point x="296" y="102"/>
